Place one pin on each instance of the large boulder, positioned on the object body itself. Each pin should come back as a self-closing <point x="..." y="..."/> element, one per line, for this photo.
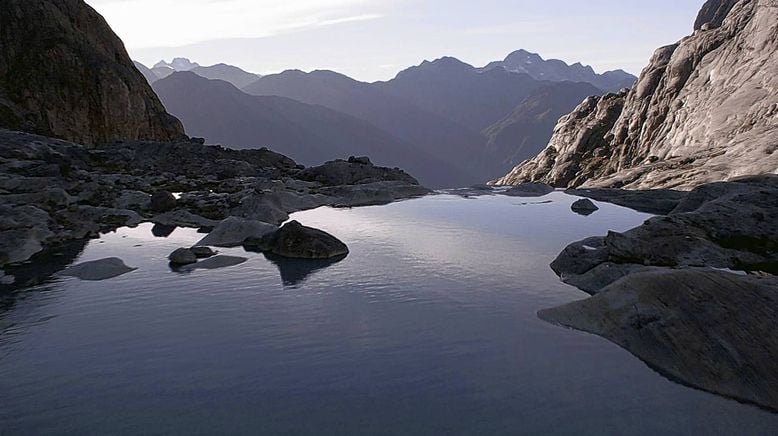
<point x="353" y="171"/>
<point x="296" y="241"/>
<point x="64" y="73"/>
<point x="713" y="330"/>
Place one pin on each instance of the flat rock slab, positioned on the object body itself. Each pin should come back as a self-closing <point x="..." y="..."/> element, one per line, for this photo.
<point x="233" y="231"/>
<point x="215" y="262"/>
<point x="97" y="270"/>
<point x="709" y="329"/>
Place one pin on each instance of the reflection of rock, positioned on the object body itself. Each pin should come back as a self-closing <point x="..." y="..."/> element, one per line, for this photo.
<point x="584" y="206"/>
<point x="296" y="271"/>
<point x="215" y="262"/>
<point x="713" y="330"/>
<point x="43" y="265"/>
<point x="183" y="218"/>
<point x="296" y="241"/>
<point x="657" y="201"/>
<point x="162" y="230"/>
<point x="97" y="270"/>
<point x="233" y="231"/>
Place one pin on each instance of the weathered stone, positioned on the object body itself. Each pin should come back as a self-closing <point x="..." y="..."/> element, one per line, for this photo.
<point x="233" y="231"/>
<point x="584" y="206"/>
<point x="203" y="252"/>
<point x="162" y="201"/>
<point x="712" y="330"/>
<point x="215" y="262"/>
<point x="182" y="256"/>
<point x="296" y="241"/>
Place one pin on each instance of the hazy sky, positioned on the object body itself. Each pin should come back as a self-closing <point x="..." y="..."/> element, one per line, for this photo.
<point x="374" y="39"/>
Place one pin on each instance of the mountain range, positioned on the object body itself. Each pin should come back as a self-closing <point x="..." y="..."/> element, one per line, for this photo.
<point x="228" y="73"/>
<point x="476" y="123"/>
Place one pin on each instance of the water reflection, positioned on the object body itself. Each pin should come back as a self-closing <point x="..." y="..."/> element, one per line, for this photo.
<point x="296" y="271"/>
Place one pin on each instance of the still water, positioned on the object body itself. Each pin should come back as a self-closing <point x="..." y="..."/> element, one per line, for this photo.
<point x="428" y="327"/>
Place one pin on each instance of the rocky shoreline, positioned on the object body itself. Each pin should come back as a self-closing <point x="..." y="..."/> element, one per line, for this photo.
<point x="53" y="192"/>
<point x="693" y="293"/>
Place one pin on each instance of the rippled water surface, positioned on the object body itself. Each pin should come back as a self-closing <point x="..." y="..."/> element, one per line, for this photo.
<point x="428" y="327"/>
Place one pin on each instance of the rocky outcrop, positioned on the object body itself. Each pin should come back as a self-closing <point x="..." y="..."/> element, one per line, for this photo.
<point x="704" y="110"/>
<point x="693" y="293"/>
<point x="53" y="191"/>
<point x="64" y="73"/>
<point x="295" y="241"/>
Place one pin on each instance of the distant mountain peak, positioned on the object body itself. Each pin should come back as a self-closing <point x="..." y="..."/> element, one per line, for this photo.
<point x="178" y="64"/>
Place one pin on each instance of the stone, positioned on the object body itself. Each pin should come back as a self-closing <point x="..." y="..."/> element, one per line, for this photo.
<point x="202" y="252"/>
<point x="133" y="200"/>
<point x="162" y="201"/>
<point x="353" y="172"/>
<point x="710" y="329"/>
<point x="182" y="218"/>
<point x="296" y="241"/>
<point x="584" y="206"/>
<point x="233" y="231"/>
<point x="182" y="256"/>
<point x="530" y="190"/>
<point x="98" y="270"/>
<point x="372" y="194"/>
<point x="215" y="262"/>
<point x="6" y="279"/>
<point x="652" y="201"/>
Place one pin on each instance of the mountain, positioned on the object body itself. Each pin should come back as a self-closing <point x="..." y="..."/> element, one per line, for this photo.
<point x="426" y="130"/>
<point x="555" y="70"/>
<point x="524" y="132"/>
<point x="64" y="73"/>
<point x="147" y="73"/>
<point x="458" y="91"/>
<point x="309" y="134"/>
<point x="703" y="110"/>
<point x="178" y="64"/>
<point x="228" y="73"/>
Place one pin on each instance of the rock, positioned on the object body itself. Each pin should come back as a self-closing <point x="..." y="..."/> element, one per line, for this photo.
<point x="182" y="256"/>
<point x="234" y="230"/>
<point x="81" y="86"/>
<point x="712" y="330"/>
<point x="215" y="262"/>
<point x="372" y="194"/>
<point x="653" y="201"/>
<point x="530" y="190"/>
<point x="162" y="201"/>
<point x="133" y="200"/>
<point x="584" y="206"/>
<point x="202" y="252"/>
<point x="296" y="241"/>
<point x="98" y="270"/>
<point x="6" y="279"/>
<point x="363" y="160"/>
<point x="20" y="244"/>
<point x="353" y="172"/>
<point x="703" y="110"/>
<point x="265" y="207"/>
<point x="182" y="218"/>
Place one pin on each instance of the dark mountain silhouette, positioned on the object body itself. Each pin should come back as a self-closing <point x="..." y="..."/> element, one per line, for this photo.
<point x="310" y="134"/>
<point x="228" y="73"/>
<point x="522" y="61"/>
<point x="426" y="130"/>
<point x="147" y="73"/>
<point x="525" y="131"/>
<point x="458" y="91"/>
<point x="65" y="74"/>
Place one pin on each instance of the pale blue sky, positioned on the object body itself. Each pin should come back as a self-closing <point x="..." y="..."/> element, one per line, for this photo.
<point x="374" y="39"/>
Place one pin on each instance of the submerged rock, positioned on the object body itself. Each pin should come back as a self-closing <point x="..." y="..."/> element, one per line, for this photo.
<point x="162" y="201"/>
<point x="296" y="241"/>
<point x="97" y="270"/>
<point x="182" y="256"/>
<point x="215" y="262"/>
<point x="710" y="329"/>
<point x="202" y="252"/>
<point x="233" y="231"/>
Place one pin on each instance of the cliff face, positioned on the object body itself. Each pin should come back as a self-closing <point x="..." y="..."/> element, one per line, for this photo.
<point x="64" y="73"/>
<point x="704" y="110"/>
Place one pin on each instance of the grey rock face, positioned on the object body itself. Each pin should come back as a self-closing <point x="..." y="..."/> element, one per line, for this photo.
<point x="713" y="330"/>
<point x="202" y="252"/>
<point x="104" y="99"/>
<point x="162" y="201"/>
<point x="98" y="270"/>
<point x="584" y="206"/>
<point x="296" y="241"/>
<point x="234" y="230"/>
<point x="704" y="110"/>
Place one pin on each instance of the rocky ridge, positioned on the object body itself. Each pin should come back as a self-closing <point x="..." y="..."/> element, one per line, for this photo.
<point x="703" y="110"/>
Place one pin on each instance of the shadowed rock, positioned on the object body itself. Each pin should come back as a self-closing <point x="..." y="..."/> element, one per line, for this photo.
<point x="584" y="207"/>
<point x="215" y="262"/>
<point x="296" y="241"/>
<point x="296" y="271"/>
<point x="233" y="231"/>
